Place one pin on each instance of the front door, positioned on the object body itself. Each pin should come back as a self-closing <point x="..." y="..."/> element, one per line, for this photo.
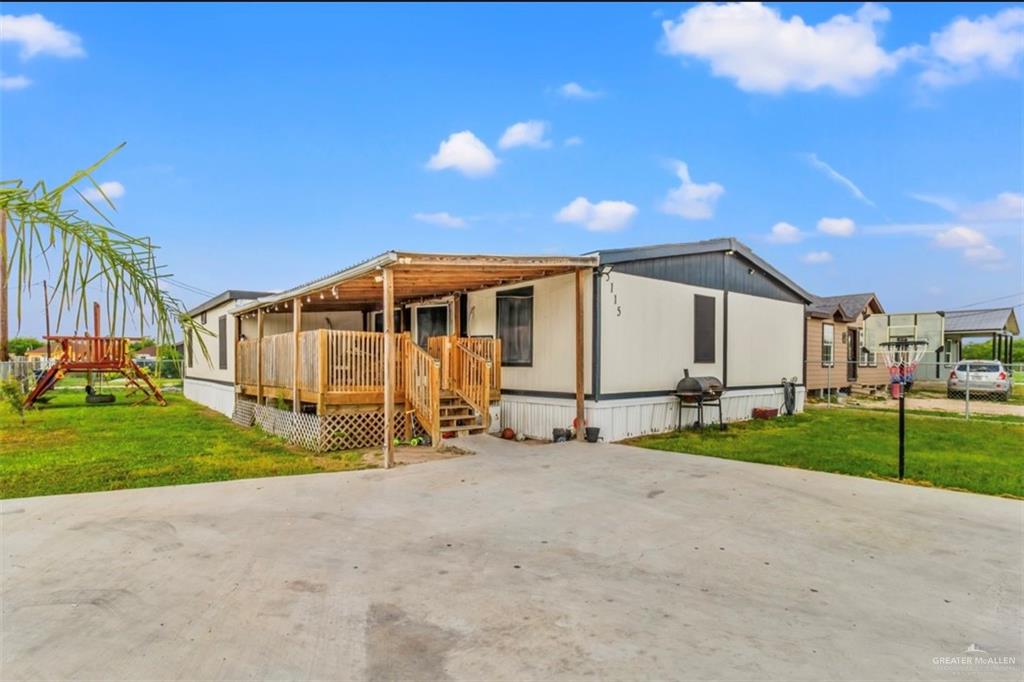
<point x="431" y="321"/>
<point x="852" y="353"/>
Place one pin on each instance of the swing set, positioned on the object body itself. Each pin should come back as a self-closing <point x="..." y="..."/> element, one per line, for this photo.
<point x="94" y="354"/>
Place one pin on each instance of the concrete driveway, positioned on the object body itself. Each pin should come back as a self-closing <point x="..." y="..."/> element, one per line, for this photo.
<point x="521" y="562"/>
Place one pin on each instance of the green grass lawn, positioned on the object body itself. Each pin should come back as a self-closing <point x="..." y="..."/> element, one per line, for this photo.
<point x="66" y="446"/>
<point x="983" y="455"/>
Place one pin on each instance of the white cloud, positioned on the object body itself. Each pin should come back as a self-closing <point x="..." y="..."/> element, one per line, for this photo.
<point x="13" y="82"/>
<point x="112" y="189"/>
<point x="442" y="218"/>
<point x="574" y="90"/>
<point x="37" y="35"/>
<point x="573" y="141"/>
<point x="1006" y="206"/>
<point x="691" y="200"/>
<point x="975" y="245"/>
<point x="837" y="227"/>
<point x="837" y="177"/>
<point x="968" y="48"/>
<point x="762" y="52"/>
<point x="959" y="237"/>
<point x="604" y="216"/>
<point x="945" y="203"/>
<point x="817" y="257"/>
<point x="784" y="233"/>
<point x="525" y="134"/>
<point x="465" y="153"/>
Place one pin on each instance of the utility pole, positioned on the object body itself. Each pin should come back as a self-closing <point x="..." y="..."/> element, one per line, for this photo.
<point x="4" y="357"/>
<point x="46" y="307"/>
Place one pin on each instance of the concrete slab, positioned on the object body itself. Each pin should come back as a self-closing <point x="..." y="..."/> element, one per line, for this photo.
<point x="522" y="562"/>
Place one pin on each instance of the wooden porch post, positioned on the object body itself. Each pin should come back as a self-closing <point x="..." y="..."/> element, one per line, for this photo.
<point x="580" y="279"/>
<point x="296" y="355"/>
<point x="259" y="356"/>
<point x="389" y="368"/>
<point x="322" y="343"/>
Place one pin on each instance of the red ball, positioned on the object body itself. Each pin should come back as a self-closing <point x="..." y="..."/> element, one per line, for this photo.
<point x="508" y="434"/>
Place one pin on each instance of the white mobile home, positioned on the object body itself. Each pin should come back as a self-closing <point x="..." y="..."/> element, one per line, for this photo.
<point x="209" y="378"/>
<point x="526" y="342"/>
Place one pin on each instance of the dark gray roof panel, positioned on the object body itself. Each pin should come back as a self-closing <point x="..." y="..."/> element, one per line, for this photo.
<point x="699" y="264"/>
<point x="224" y="297"/>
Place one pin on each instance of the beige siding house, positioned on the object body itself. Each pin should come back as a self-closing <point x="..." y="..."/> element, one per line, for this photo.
<point x="838" y="357"/>
<point x="532" y="343"/>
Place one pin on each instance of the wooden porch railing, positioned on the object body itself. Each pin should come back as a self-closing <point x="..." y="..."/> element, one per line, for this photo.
<point x="246" y="365"/>
<point x="278" y="360"/>
<point x="442" y="347"/>
<point x="471" y="378"/>
<point x="423" y="387"/>
<point x="355" y="362"/>
<point x="352" y="362"/>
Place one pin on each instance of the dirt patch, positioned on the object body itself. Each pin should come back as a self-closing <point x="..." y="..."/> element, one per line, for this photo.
<point x="942" y="405"/>
<point x="415" y="454"/>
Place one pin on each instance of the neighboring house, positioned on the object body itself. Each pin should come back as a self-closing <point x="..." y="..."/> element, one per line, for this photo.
<point x="945" y="332"/>
<point x="209" y="378"/>
<point x="605" y="336"/>
<point x="838" y="357"/>
<point x="37" y="356"/>
<point x="145" y="354"/>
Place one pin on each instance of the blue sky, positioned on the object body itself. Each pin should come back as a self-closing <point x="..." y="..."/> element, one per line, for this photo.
<point x="269" y="144"/>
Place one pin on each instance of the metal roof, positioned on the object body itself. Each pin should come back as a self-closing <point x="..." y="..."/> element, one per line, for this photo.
<point x="723" y="244"/>
<point x="224" y="297"/>
<point x="991" y="321"/>
<point x="403" y="260"/>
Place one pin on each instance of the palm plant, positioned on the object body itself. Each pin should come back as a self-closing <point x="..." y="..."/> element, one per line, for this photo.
<point x="79" y="251"/>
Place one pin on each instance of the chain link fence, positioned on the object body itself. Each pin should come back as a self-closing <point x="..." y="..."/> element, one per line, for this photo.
<point x="967" y="387"/>
<point x="28" y="370"/>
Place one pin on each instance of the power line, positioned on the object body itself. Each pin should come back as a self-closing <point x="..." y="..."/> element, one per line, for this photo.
<point x="991" y="300"/>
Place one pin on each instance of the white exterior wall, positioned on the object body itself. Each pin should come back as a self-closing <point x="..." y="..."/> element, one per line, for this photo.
<point x="554" y="333"/>
<point x="215" y="396"/>
<point x="647" y="333"/>
<point x="198" y="366"/>
<point x="628" y="418"/>
<point x="766" y="341"/>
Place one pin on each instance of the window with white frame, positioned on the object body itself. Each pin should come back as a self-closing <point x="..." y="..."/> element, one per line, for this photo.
<point x="828" y="343"/>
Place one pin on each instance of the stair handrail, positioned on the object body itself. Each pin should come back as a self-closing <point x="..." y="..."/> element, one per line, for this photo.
<point x="471" y="379"/>
<point x="423" y="388"/>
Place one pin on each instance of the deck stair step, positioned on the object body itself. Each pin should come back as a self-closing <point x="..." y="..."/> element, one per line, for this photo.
<point x="458" y="417"/>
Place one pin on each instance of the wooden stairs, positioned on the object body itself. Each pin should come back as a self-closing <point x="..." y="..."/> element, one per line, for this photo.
<point x="459" y="418"/>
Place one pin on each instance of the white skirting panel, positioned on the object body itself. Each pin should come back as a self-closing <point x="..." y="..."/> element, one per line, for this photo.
<point x="215" y="396"/>
<point x="619" y="419"/>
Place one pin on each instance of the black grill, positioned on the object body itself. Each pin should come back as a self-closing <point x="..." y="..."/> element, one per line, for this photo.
<point x="698" y="393"/>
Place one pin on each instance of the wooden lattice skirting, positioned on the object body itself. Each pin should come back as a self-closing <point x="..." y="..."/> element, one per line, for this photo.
<point x="321" y="433"/>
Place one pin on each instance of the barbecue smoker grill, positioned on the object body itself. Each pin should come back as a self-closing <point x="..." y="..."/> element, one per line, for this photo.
<point x="698" y="393"/>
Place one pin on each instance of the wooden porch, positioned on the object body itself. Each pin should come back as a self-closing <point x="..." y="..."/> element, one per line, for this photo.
<point x="345" y="369"/>
<point x="438" y="385"/>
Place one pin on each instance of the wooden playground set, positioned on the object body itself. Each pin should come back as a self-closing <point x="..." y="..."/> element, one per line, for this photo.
<point x="95" y="356"/>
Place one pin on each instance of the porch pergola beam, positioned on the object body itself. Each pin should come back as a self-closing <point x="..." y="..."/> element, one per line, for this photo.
<point x="580" y="281"/>
<point x="259" y="356"/>
<point x="389" y="366"/>
<point x="296" y="355"/>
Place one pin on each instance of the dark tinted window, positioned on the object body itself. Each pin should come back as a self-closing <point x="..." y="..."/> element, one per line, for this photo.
<point x="222" y="341"/>
<point x="703" y="329"/>
<point x="515" y="326"/>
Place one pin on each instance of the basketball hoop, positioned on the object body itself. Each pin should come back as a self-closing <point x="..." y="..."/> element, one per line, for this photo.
<point x="901" y="357"/>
